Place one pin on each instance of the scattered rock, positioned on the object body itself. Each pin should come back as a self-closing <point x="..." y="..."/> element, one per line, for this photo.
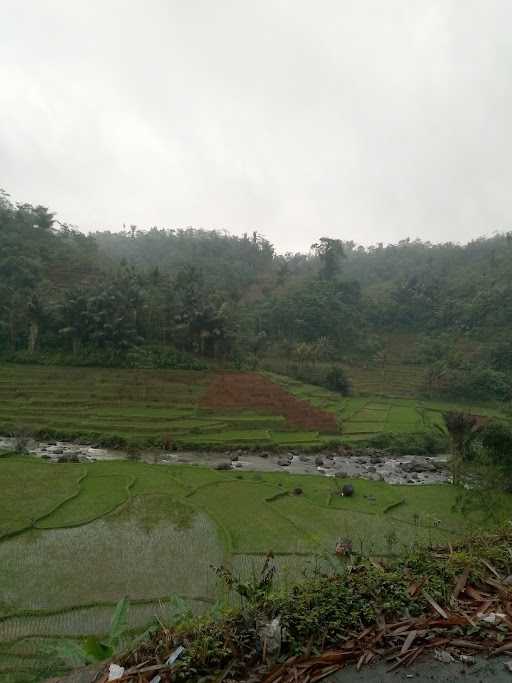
<point x="372" y="469"/>
<point x="263" y="454"/>
<point x="347" y="490"/>
<point x="222" y="466"/>
<point x="234" y="458"/>
<point x="375" y="460"/>
<point x="418" y="465"/>
<point x="284" y="462"/>
<point x="341" y="475"/>
<point x="319" y="461"/>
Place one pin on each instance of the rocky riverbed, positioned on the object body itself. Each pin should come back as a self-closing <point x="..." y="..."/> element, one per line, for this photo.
<point x="361" y="463"/>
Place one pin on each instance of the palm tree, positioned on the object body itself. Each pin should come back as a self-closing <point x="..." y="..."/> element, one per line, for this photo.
<point x="462" y="429"/>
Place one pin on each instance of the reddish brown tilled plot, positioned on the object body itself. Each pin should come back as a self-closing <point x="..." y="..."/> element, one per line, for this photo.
<point x="239" y="390"/>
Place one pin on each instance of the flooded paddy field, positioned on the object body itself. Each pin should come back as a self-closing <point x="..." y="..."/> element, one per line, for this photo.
<point x="76" y="537"/>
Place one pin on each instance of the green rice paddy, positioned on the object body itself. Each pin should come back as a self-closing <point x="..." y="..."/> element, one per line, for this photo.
<point x="78" y="537"/>
<point x="135" y="408"/>
<point x="361" y="417"/>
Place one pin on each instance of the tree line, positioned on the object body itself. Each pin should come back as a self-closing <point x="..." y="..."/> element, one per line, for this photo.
<point x="167" y="293"/>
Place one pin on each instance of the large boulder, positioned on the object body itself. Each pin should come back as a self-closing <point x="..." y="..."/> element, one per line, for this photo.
<point x="222" y="466"/>
<point x="347" y="490"/>
<point x="418" y="465"/>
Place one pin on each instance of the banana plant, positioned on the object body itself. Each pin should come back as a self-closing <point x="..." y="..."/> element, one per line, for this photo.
<point x="94" y="649"/>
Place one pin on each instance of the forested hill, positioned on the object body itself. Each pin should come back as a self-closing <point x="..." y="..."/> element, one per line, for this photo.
<point x="413" y="284"/>
<point x="228" y="297"/>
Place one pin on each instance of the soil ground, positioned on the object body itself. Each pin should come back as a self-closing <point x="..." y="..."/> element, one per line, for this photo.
<point x="427" y="671"/>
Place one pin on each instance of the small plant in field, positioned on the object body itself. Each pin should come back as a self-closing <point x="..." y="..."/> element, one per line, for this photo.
<point x="95" y="650"/>
<point x="21" y="440"/>
<point x="257" y="587"/>
<point x="176" y="613"/>
<point x="391" y="540"/>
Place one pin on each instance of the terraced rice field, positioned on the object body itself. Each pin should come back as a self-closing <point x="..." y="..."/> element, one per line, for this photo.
<point x="361" y="417"/>
<point x="75" y="538"/>
<point x="392" y="381"/>
<point x="164" y="408"/>
<point x="135" y="408"/>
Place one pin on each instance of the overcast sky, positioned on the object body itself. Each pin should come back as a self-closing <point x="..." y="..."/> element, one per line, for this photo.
<point x="370" y="120"/>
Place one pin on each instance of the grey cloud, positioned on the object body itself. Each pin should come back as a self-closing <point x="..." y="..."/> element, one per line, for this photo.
<point x="369" y="120"/>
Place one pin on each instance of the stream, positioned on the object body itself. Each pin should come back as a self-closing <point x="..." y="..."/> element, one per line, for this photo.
<point x="370" y="464"/>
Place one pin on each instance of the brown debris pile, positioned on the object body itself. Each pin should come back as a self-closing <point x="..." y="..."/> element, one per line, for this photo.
<point x="478" y="621"/>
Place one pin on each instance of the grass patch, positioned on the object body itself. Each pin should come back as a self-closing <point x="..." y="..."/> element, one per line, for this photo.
<point x="98" y="496"/>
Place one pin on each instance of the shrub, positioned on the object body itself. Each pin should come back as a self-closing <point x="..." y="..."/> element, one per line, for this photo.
<point x="337" y="380"/>
<point x="331" y="377"/>
<point x="479" y="383"/>
<point x="497" y="441"/>
<point x="500" y="356"/>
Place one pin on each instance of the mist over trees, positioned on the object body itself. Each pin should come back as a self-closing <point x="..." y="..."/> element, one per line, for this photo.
<point x="224" y="297"/>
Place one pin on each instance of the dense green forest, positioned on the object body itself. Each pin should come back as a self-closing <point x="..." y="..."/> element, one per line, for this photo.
<point x="183" y="298"/>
